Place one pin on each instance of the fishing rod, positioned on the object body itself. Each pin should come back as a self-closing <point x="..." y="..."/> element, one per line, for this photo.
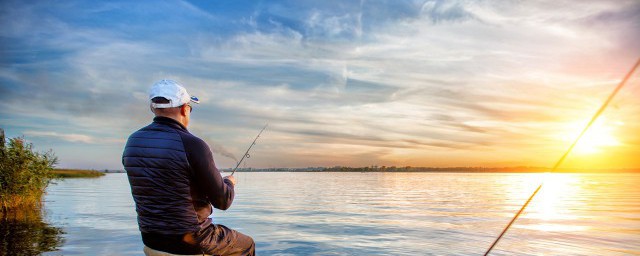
<point x="246" y="154"/>
<point x="559" y="162"/>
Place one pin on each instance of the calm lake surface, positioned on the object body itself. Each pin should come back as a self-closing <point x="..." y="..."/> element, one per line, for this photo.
<point x="379" y="214"/>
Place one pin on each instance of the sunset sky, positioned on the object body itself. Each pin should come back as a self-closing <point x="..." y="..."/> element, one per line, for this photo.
<point x="350" y="83"/>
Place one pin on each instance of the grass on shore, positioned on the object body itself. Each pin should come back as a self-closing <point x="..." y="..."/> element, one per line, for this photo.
<point x="13" y="201"/>
<point x="74" y="173"/>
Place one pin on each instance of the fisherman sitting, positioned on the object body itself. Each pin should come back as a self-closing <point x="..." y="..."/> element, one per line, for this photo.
<point x="175" y="183"/>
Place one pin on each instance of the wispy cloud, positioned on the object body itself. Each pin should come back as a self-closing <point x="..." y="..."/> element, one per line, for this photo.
<point x="72" y="137"/>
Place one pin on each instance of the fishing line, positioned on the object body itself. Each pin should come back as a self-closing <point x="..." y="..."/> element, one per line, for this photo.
<point x="559" y="162"/>
<point x="246" y="154"/>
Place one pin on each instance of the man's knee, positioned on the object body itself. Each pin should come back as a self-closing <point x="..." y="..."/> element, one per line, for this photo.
<point x="249" y="240"/>
<point x="250" y="248"/>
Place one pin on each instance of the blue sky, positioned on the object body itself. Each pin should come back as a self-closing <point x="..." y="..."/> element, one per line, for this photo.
<point x="356" y="83"/>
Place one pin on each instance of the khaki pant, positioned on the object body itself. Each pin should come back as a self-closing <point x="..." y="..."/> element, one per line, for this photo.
<point x="151" y="252"/>
<point x="214" y="240"/>
<point x="222" y="240"/>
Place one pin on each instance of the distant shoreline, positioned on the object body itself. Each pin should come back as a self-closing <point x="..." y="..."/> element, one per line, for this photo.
<point x="599" y="171"/>
<point x="436" y="170"/>
<point x="422" y="169"/>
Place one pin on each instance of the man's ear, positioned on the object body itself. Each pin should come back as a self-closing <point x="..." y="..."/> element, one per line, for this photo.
<point x="183" y="110"/>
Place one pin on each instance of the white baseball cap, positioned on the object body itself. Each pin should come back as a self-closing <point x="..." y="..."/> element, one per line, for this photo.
<point x="172" y="91"/>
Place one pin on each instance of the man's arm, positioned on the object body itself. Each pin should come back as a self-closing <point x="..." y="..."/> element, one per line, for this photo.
<point x="207" y="177"/>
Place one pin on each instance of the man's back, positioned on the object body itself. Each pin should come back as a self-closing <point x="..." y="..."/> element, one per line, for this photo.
<point x="159" y="175"/>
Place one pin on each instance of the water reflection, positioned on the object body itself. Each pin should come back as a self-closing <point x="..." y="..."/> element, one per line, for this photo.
<point x="555" y="207"/>
<point x="380" y="214"/>
<point x="23" y="232"/>
<point x="580" y="214"/>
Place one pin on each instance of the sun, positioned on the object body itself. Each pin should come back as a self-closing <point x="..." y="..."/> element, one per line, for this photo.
<point x="599" y="136"/>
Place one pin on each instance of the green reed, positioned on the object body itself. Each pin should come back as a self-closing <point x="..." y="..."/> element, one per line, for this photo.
<point x="24" y="173"/>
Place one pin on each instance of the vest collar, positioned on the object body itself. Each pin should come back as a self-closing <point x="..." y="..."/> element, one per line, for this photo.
<point x="169" y="121"/>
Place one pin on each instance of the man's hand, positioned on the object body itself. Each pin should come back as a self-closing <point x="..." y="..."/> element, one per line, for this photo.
<point x="231" y="178"/>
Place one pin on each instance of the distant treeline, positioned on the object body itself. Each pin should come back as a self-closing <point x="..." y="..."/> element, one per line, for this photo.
<point x="518" y="169"/>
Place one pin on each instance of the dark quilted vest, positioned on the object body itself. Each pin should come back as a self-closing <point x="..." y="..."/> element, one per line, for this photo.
<point x="159" y="175"/>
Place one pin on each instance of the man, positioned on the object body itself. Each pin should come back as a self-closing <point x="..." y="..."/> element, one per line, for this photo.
<point x="174" y="182"/>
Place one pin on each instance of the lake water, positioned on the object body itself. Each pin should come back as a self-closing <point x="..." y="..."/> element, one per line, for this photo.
<point x="379" y="214"/>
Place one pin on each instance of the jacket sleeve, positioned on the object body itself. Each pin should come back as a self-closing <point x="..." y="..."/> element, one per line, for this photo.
<point x="206" y="176"/>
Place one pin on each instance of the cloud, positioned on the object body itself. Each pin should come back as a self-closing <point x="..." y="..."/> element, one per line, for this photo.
<point x="72" y="137"/>
<point x="370" y="80"/>
<point x="439" y="11"/>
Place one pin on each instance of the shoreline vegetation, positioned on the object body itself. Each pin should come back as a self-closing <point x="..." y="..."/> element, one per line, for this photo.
<point x="24" y="173"/>
<point x="24" y="177"/>
<point x="75" y="173"/>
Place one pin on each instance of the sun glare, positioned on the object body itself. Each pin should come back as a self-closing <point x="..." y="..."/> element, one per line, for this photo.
<point x="598" y="137"/>
<point x="554" y="208"/>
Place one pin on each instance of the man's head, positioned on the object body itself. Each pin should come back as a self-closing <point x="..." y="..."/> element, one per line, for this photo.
<point x="170" y="99"/>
